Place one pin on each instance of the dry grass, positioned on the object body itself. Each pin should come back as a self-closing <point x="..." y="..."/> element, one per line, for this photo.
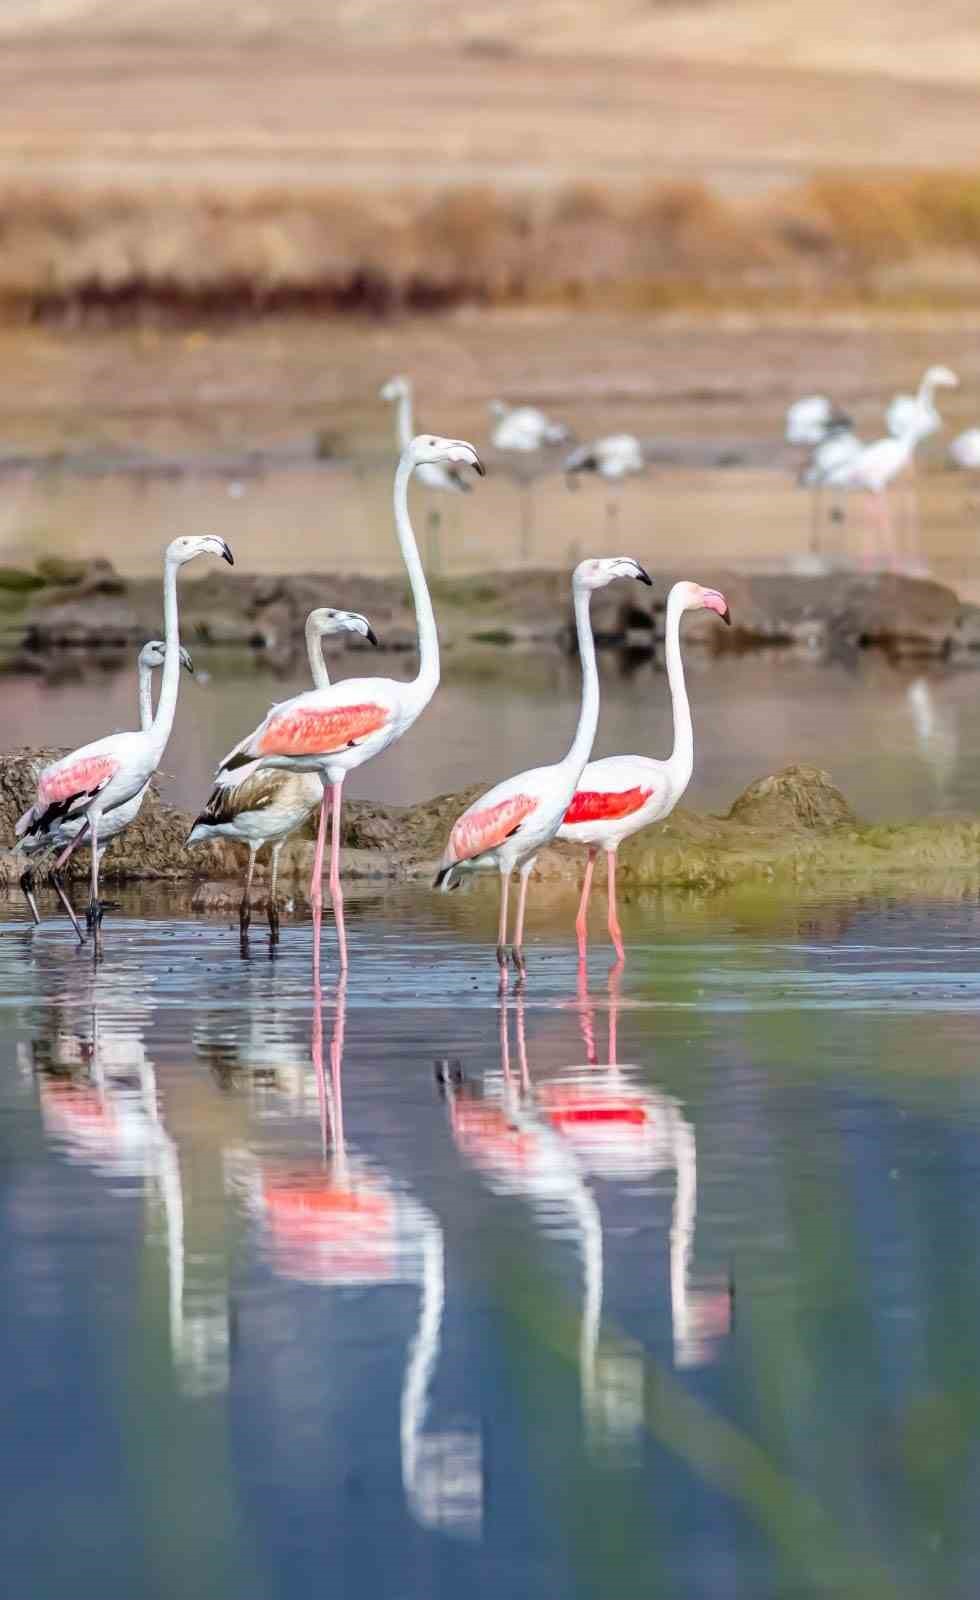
<point x="115" y="252"/>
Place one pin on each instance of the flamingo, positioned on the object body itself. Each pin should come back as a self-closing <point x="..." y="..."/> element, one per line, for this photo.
<point x="38" y="841"/>
<point x="92" y="781"/>
<point x="835" y="451"/>
<point x="442" y="474"/>
<point x="873" y="469"/>
<point x="506" y="827"/>
<point x="524" y="428"/>
<point x="617" y="456"/>
<point x="257" y="806"/>
<point x="917" y="413"/>
<point x="965" y="450"/>
<point x="809" y="420"/>
<point x="619" y="795"/>
<point x="332" y="731"/>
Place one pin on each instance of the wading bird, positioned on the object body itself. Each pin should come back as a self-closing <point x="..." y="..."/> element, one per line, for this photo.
<point x="965" y="450"/>
<point x="809" y="420"/>
<point x="90" y="783"/>
<point x="835" y="452"/>
<point x="443" y="475"/>
<point x="259" y="806"/>
<point x="617" y="456"/>
<point x="331" y="731"/>
<point x="524" y="428"/>
<point x="874" y="469"/>
<point x="506" y="827"/>
<point x="619" y="795"/>
<point x="917" y="413"/>
<point x="39" y="841"/>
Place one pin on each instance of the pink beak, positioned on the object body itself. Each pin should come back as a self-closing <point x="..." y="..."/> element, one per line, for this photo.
<point x="714" y="600"/>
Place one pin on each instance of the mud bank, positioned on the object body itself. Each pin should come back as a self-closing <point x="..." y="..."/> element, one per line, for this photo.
<point x="51" y="615"/>
<point x="791" y="830"/>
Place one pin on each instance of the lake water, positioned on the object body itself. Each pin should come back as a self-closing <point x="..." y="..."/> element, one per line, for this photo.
<point x="669" y="1286"/>
<point x="901" y="740"/>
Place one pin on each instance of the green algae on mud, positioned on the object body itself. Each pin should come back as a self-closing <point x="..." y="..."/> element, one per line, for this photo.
<point x="789" y="832"/>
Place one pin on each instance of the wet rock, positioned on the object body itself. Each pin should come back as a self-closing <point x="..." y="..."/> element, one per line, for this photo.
<point x="797" y="797"/>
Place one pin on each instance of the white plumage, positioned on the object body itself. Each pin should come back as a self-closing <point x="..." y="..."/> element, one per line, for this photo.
<point x="524" y="428"/>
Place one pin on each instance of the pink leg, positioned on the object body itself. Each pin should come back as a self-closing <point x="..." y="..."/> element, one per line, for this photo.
<point x="336" y="892"/>
<point x="581" y="926"/>
<point x="316" y="886"/>
<point x="615" y="931"/>
<point x="502" y="927"/>
<point x="521" y="907"/>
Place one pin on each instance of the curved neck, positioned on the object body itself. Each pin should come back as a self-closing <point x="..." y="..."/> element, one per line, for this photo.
<point x="682" y="1232"/>
<point x="314" y="650"/>
<point x="403" y="418"/>
<point x="588" y="717"/>
<point x="682" y="755"/>
<point x="427" y="680"/>
<point x="422" y="1357"/>
<point x="926" y="388"/>
<point x="145" y="697"/>
<point x="167" y="704"/>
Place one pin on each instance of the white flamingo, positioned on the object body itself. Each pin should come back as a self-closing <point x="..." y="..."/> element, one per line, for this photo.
<point x="964" y="451"/>
<point x="443" y="474"/>
<point x="613" y="458"/>
<point x="873" y="470"/>
<point x="506" y="827"/>
<point x="833" y="453"/>
<point x="810" y="419"/>
<point x="619" y="795"/>
<point x="92" y="781"/>
<point x="258" y="806"/>
<point x="524" y="428"/>
<point x="332" y="731"/>
<point x="40" y="842"/>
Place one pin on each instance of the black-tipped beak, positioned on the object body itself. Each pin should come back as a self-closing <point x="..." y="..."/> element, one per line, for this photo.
<point x="726" y="616"/>
<point x="226" y="554"/>
<point x="478" y="465"/>
<point x="188" y="663"/>
<point x="643" y="575"/>
<point x="371" y="637"/>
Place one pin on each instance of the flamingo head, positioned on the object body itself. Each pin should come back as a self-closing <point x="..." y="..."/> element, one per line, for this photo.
<point x="942" y="378"/>
<point x="695" y="598"/>
<point x="428" y="447"/>
<point x="395" y="388"/>
<point x="154" y="652"/>
<point x="600" y="570"/>
<point x="326" y="620"/>
<point x="186" y="548"/>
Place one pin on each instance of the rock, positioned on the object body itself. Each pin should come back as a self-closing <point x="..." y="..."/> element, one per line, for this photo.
<point x="18" y="580"/>
<point x="92" y="621"/>
<point x="61" y="570"/>
<point x="797" y="797"/>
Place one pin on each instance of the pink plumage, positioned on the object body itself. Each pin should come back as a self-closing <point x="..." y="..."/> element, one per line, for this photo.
<point x="65" y="780"/>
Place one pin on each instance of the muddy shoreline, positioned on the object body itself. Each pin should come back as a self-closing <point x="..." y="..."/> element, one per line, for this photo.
<point x="792" y="830"/>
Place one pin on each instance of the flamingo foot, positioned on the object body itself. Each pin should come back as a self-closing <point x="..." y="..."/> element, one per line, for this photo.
<point x="273" y="914"/>
<point x="94" y="914"/>
<point x="517" y="955"/>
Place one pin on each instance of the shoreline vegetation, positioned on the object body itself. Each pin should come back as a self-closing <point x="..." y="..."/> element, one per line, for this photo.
<point x="792" y="831"/>
<point x="127" y="252"/>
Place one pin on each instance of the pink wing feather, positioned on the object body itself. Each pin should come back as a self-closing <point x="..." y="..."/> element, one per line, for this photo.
<point x="481" y="830"/>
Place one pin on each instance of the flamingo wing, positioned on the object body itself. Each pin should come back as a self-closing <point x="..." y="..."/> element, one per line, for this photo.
<point x="64" y="789"/>
<point x="309" y="729"/>
<point x="606" y="805"/>
<point x="483" y="827"/>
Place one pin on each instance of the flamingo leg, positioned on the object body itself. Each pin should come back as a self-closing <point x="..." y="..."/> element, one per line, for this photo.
<point x="316" y="886"/>
<point x="245" y="909"/>
<point x="273" y="911"/>
<point x="816" y="498"/>
<point x="518" y="951"/>
<point x="502" y="926"/>
<point x="336" y="892"/>
<point x="93" y="916"/>
<point x="59" y="886"/>
<point x="27" y="887"/>
<point x="581" y="920"/>
<point x="615" y="931"/>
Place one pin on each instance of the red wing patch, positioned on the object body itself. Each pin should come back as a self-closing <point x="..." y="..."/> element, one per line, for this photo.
<point x="598" y="805"/>
<point x="568" y="1108"/>
<point x="78" y="777"/>
<point x="320" y="733"/>
<point x="479" y="831"/>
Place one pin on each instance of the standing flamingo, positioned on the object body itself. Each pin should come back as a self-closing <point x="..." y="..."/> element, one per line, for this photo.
<point x="258" y="806"/>
<point x="524" y="428"/>
<point x="621" y="794"/>
<point x="91" y="782"/>
<point x="40" y="841"/>
<point x="332" y="731"/>
<point x="506" y="827"/>
<point x="617" y="456"/>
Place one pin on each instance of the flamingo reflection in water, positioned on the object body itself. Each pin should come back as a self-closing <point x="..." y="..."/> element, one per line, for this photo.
<point x="340" y="1222"/>
<point x="545" y="1144"/>
<point x="100" y="1109"/>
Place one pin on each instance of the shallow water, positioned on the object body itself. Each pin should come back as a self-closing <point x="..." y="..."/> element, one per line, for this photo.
<point x="671" y="1286"/>
<point x="902" y="741"/>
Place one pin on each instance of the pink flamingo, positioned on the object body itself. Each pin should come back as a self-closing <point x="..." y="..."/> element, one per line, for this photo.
<point x="94" y="780"/>
<point x="332" y="731"/>
<point x="506" y="827"/>
<point x="619" y="795"/>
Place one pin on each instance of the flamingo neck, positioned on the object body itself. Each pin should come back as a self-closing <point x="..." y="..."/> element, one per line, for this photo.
<point x="163" y="722"/>
<point x="426" y="682"/>
<point x="682" y="755"/>
<point x="926" y="390"/>
<point x="403" y="418"/>
<point x="145" y="697"/>
<point x="422" y="1357"/>
<point x="682" y="1232"/>
<point x="588" y="717"/>
<point x="314" y="651"/>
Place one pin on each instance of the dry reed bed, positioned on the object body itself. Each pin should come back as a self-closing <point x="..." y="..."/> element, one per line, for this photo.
<point x="891" y="240"/>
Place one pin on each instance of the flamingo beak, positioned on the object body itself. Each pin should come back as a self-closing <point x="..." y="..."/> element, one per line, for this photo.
<point x="226" y="554"/>
<point x="713" y="600"/>
<point x="371" y="636"/>
<point x="643" y="575"/>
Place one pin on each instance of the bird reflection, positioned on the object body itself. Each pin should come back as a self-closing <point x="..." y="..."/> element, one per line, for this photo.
<point x="339" y="1221"/>
<point x="548" y="1144"/>
<point x="100" y="1108"/>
